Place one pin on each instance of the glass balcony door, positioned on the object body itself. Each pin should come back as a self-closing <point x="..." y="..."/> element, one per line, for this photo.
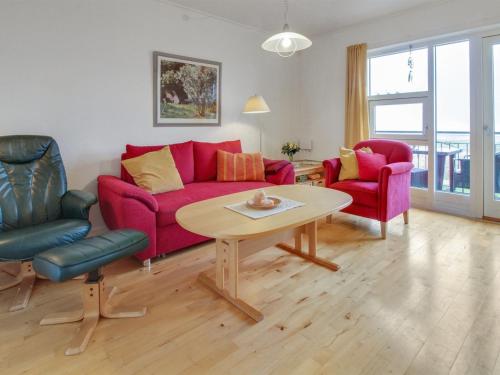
<point x="492" y="127"/>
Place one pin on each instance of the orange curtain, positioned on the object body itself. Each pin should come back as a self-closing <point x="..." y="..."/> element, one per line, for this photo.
<point x="356" y="101"/>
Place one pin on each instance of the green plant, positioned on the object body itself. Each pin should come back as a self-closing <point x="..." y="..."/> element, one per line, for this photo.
<point x="290" y="149"/>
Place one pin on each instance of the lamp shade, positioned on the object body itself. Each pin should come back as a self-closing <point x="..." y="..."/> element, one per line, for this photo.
<point x="256" y="104"/>
<point x="286" y="43"/>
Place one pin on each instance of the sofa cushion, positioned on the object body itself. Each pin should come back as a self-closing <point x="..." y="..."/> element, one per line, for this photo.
<point x="181" y="152"/>
<point x="170" y="202"/>
<point x="239" y="167"/>
<point x="205" y="158"/>
<point x="364" y="193"/>
<point x="155" y="171"/>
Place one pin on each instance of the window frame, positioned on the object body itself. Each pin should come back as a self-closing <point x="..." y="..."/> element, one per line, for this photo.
<point x="426" y="118"/>
<point x="425" y="97"/>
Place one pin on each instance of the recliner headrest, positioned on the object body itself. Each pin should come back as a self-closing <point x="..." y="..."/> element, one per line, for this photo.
<point x="18" y="149"/>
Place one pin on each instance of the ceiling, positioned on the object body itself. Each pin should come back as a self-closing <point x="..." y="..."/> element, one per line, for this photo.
<point x="305" y="16"/>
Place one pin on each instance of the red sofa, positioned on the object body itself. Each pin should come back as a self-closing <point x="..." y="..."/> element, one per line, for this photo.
<point x="386" y="198"/>
<point x="124" y="205"/>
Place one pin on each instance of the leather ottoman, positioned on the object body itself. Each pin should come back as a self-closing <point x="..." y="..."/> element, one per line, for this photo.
<point x="88" y="256"/>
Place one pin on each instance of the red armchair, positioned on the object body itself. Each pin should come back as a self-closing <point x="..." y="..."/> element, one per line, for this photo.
<point x="386" y="198"/>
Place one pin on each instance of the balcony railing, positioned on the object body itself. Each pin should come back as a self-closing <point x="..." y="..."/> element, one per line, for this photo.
<point x="452" y="162"/>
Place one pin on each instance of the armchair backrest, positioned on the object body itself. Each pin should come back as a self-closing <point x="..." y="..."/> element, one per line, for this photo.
<point x="394" y="151"/>
<point x="32" y="181"/>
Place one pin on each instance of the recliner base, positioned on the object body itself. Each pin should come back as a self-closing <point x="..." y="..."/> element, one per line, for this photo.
<point x="96" y="298"/>
<point x="26" y="280"/>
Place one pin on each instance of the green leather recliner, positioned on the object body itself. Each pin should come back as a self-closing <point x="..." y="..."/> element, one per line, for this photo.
<point x="37" y="212"/>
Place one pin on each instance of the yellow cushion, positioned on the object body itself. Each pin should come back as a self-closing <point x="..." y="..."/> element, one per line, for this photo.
<point x="155" y="171"/>
<point x="349" y="169"/>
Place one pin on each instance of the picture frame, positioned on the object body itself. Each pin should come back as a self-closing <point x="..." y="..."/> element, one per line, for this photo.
<point x="187" y="91"/>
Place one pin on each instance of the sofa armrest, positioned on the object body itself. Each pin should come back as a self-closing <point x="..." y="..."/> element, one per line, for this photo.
<point x="126" y="190"/>
<point x="279" y="172"/>
<point x="332" y="170"/>
<point x="125" y="206"/>
<point x="75" y="204"/>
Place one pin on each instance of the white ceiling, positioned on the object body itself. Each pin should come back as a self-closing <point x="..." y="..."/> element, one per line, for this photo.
<point x="305" y="16"/>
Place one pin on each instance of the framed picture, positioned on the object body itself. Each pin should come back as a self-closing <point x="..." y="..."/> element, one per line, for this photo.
<point x="186" y="91"/>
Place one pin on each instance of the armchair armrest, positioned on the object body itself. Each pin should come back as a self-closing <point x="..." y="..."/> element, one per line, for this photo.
<point x="279" y="172"/>
<point x="394" y="189"/>
<point x="396" y="168"/>
<point x="332" y="170"/>
<point x="126" y="190"/>
<point x="76" y="204"/>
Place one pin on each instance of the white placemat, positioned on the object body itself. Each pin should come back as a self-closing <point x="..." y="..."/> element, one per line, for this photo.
<point x="285" y="205"/>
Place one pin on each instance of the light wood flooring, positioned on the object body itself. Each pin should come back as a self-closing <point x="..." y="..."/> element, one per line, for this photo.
<point x="424" y="301"/>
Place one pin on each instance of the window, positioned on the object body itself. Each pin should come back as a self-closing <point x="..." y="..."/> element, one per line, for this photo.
<point x="391" y="74"/>
<point x="399" y="92"/>
<point x="423" y="94"/>
<point x="397" y="118"/>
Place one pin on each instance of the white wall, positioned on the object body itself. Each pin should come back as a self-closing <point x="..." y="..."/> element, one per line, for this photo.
<point x="81" y="71"/>
<point x="323" y="66"/>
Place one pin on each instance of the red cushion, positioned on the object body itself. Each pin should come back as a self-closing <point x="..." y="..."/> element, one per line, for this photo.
<point x="170" y="202"/>
<point x="205" y="158"/>
<point x="370" y="165"/>
<point x="181" y="152"/>
<point x="363" y="193"/>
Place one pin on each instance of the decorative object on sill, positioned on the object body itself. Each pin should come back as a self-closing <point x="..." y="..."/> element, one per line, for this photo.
<point x="286" y="43"/>
<point x="290" y="149"/>
<point x="411" y="65"/>
<point x="257" y="105"/>
<point x="187" y="91"/>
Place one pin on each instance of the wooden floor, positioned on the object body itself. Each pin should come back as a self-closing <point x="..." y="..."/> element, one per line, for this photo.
<point x="425" y="301"/>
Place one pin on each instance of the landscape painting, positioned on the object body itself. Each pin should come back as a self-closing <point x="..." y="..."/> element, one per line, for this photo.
<point x="187" y="91"/>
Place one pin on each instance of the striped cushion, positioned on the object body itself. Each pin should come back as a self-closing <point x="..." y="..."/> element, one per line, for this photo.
<point x="239" y="167"/>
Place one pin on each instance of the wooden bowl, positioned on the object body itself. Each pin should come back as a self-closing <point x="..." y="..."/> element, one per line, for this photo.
<point x="276" y="201"/>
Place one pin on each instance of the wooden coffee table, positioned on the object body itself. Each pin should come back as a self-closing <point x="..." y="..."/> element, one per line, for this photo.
<point x="238" y="236"/>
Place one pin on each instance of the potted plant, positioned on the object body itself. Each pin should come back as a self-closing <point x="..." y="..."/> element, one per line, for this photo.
<point x="290" y="149"/>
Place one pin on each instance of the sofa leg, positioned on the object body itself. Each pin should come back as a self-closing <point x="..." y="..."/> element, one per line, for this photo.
<point x="27" y="276"/>
<point x="95" y="305"/>
<point x="383" y="229"/>
<point x="147" y="264"/>
<point x="406" y="216"/>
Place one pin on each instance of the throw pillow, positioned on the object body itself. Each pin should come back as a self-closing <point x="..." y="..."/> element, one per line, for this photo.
<point x="154" y="171"/>
<point x="205" y="158"/>
<point x="370" y="165"/>
<point x="349" y="164"/>
<point x="239" y="167"/>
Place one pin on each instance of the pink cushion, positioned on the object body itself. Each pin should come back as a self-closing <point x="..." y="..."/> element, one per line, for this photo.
<point x="170" y="202"/>
<point x="181" y="152"/>
<point x="363" y="193"/>
<point x="370" y="165"/>
<point x="205" y="158"/>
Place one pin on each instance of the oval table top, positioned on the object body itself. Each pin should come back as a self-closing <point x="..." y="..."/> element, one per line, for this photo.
<point x="210" y="218"/>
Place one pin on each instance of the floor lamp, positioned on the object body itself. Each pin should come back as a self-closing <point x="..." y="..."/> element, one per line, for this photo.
<point x="254" y="105"/>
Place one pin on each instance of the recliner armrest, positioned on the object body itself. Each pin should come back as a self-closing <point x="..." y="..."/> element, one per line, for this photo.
<point x="76" y="204"/>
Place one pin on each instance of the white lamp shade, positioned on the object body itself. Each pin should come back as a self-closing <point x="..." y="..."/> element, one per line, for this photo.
<point x="256" y="104"/>
<point x="286" y="43"/>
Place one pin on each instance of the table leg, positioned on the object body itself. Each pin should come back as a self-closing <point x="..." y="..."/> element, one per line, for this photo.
<point x="227" y="258"/>
<point x="312" y="232"/>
